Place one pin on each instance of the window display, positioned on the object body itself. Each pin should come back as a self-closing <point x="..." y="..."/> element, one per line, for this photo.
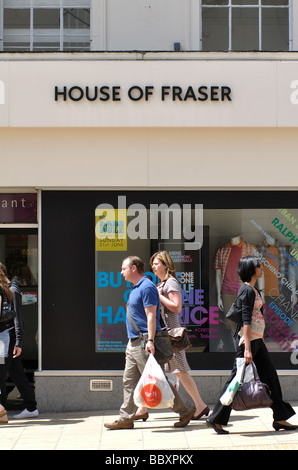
<point x="75" y="259"/>
<point x="207" y="273"/>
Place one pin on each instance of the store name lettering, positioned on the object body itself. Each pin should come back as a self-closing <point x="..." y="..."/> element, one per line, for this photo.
<point x="285" y="231"/>
<point x="290" y="284"/>
<point x="279" y="328"/>
<point x="293" y="256"/>
<point x="193" y="310"/>
<point x="164" y="222"/>
<point x="143" y="93"/>
<point x="196" y="297"/>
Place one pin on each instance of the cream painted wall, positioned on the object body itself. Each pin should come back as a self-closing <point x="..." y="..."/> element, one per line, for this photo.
<point x="149" y="158"/>
<point x="146" y="25"/>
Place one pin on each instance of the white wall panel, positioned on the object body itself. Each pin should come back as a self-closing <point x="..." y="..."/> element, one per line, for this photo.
<point x="149" y="158"/>
<point x="147" y="25"/>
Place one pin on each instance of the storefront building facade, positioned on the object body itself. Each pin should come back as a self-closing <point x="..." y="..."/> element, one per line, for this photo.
<point x="107" y="154"/>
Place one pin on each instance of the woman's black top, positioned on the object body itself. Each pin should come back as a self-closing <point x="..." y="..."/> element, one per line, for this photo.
<point x="246" y="300"/>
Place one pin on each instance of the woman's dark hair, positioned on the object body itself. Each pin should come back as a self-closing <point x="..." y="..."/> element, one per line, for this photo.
<point x="5" y="286"/>
<point x="247" y="267"/>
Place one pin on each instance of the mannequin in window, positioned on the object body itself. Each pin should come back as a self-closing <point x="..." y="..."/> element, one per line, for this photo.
<point x="228" y="282"/>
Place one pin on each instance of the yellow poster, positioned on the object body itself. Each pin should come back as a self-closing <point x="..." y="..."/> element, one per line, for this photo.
<point x="111" y="229"/>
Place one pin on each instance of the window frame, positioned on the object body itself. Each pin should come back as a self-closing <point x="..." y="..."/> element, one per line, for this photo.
<point x="64" y="34"/>
<point x="260" y="8"/>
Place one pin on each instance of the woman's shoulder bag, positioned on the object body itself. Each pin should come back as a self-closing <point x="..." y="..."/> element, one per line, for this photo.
<point x="7" y="310"/>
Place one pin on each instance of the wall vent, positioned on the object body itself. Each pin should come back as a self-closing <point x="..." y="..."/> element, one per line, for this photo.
<point x="101" y="385"/>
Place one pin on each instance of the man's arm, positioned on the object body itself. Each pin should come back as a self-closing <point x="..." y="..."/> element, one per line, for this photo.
<point x="151" y="323"/>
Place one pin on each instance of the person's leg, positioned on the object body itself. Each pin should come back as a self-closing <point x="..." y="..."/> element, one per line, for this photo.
<point x="190" y="386"/>
<point x="6" y="357"/>
<point x="18" y="376"/>
<point x="3" y="414"/>
<point x="221" y="413"/>
<point x="134" y="366"/>
<point x="21" y="381"/>
<point x="267" y="373"/>
<point x="135" y="360"/>
<point x="4" y="352"/>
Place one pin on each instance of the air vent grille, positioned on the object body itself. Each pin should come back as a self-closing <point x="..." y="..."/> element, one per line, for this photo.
<point x="101" y="385"/>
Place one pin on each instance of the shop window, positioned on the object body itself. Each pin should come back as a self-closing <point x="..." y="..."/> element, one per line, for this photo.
<point x="206" y="270"/>
<point x="46" y="26"/>
<point x="264" y="223"/>
<point x="246" y="25"/>
<point x="19" y="253"/>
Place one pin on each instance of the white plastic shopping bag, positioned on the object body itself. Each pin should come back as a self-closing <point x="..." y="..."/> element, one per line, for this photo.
<point x="173" y="379"/>
<point x="227" y="397"/>
<point x="153" y="389"/>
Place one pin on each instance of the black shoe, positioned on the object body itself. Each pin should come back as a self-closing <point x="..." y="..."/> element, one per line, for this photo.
<point x="288" y="427"/>
<point x="216" y="429"/>
<point x="205" y="412"/>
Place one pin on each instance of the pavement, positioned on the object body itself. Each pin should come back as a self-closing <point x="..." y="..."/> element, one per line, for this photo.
<point x="248" y="430"/>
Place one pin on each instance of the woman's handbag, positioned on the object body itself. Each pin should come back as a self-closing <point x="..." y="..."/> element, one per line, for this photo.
<point x="162" y="344"/>
<point x="253" y="394"/>
<point x="179" y="338"/>
<point x="235" y="312"/>
<point x="7" y="311"/>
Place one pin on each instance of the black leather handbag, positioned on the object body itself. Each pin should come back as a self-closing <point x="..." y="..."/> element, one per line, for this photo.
<point x="253" y="394"/>
<point x="7" y="311"/>
<point x="163" y="347"/>
<point x="235" y="312"/>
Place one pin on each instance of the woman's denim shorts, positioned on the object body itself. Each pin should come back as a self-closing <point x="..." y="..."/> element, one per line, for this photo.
<point x="4" y="345"/>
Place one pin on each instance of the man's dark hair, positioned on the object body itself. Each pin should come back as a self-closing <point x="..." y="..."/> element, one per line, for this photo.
<point x="136" y="261"/>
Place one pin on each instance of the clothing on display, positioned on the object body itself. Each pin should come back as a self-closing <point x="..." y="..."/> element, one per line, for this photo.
<point x="227" y="259"/>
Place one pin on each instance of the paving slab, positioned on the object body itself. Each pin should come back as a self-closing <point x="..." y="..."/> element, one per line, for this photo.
<point x="250" y="430"/>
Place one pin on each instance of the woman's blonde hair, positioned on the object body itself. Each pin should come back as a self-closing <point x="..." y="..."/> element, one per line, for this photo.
<point x="167" y="261"/>
<point x="5" y="286"/>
